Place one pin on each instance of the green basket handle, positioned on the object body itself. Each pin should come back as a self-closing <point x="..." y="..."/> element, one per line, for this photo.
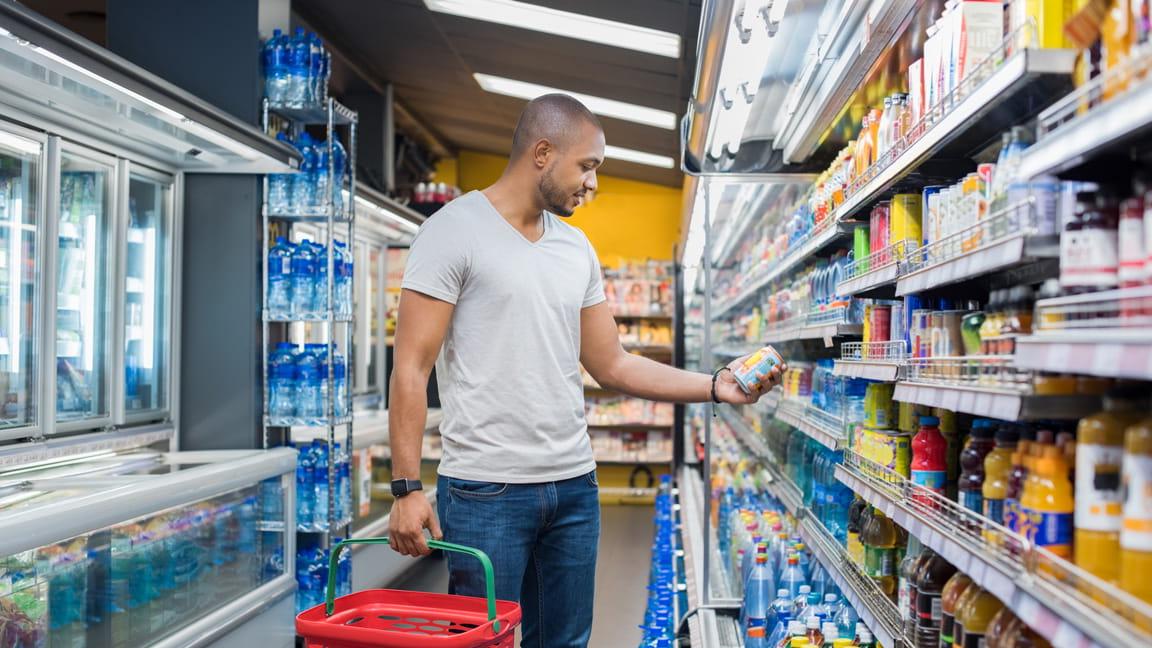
<point x="489" y="577"/>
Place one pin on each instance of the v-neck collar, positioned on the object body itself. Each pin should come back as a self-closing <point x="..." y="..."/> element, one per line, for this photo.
<point x="543" y="223"/>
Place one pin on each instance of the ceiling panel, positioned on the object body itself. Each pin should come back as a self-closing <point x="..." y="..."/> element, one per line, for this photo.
<point x="430" y="58"/>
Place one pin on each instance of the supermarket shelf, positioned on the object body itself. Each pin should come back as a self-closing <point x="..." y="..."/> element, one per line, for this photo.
<point x="1039" y="588"/>
<point x="653" y="349"/>
<point x="884" y="371"/>
<point x="769" y="402"/>
<point x="1107" y="125"/>
<point x="293" y="421"/>
<point x="320" y="317"/>
<point x="316" y="114"/>
<point x="647" y="316"/>
<point x="1005" y="253"/>
<point x="745" y="433"/>
<point x="874" y="608"/>
<point x="626" y="493"/>
<point x="826" y="332"/>
<point x="1029" y="73"/>
<point x="694" y="526"/>
<point x="814" y="423"/>
<point x="369" y="428"/>
<point x="97" y="443"/>
<point x="1112" y="353"/>
<point x="793" y="258"/>
<point x="633" y="462"/>
<point x="995" y="403"/>
<point x="319" y="215"/>
<point x="867" y="282"/>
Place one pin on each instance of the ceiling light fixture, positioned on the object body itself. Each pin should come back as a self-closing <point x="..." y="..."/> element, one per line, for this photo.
<point x="599" y="105"/>
<point x="563" y="23"/>
<point x="639" y="157"/>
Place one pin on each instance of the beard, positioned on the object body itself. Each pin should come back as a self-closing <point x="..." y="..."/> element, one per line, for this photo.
<point x="555" y="198"/>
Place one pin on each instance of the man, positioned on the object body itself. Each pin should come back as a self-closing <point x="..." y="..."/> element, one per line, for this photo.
<point x="506" y="300"/>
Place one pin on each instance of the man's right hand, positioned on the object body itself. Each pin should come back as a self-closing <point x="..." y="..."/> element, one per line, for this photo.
<point x="410" y="515"/>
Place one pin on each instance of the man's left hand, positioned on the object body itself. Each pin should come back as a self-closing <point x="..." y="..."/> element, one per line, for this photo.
<point x="729" y="391"/>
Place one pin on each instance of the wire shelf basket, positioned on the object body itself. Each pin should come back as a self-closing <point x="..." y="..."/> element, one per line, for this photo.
<point x="891" y="351"/>
<point x="1126" y="308"/>
<point x="1134" y="71"/>
<point x="993" y="371"/>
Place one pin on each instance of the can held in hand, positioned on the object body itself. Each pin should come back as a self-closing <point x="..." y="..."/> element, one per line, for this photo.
<point x="747" y="373"/>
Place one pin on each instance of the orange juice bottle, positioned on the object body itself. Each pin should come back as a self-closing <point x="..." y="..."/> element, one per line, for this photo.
<point x="973" y="615"/>
<point x="954" y="590"/>
<point x="1048" y="504"/>
<point x="997" y="465"/>
<point x="1099" y="454"/>
<point x="1136" y="533"/>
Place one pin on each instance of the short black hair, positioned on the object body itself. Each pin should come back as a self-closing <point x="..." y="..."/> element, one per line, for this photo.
<point x="552" y="117"/>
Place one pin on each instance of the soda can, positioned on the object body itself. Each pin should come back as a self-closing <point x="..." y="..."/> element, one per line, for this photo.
<point x="881" y="325"/>
<point x="747" y="373"/>
<point x="896" y="330"/>
<point x="921" y="333"/>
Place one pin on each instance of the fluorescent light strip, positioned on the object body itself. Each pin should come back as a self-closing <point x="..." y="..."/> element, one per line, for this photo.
<point x="19" y="144"/>
<point x="563" y="23"/>
<point x="639" y="157"/>
<point x="395" y="218"/>
<point x="599" y="105"/>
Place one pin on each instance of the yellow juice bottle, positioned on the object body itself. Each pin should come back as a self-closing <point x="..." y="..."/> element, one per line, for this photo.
<point x="997" y="465"/>
<point x="974" y="614"/>
<point x="1099" y="454"/>
<point x="1048" y="503"/>
<point x="1136" y="533"/>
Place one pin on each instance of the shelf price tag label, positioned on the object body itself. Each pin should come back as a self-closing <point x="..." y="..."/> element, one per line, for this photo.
<point x="1058" y="356"/>
<point x="1106" y="360"/>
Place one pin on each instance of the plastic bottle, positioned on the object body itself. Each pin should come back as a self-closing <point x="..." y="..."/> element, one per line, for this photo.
<point x="930" y="581"/>
<point x="814" y="634"/>
<point x="831" y="607"/>
<point x="343" y="269"/>
<point x="301" y="50"/>
<point x="929" y="464"/>
<point x="906" y="584"/>
<point x="280" y="279"/>
<point x="792" y="578"/>
<point x="854" y="546"/>
<point x="864" y="638"/>
<point x="879" y="539"/>
<point x="754" y="638"/>
<point x="974" y="612"/>
<point x="780" y="629"/>
<point x="315" y="68"/>
<point x="1136" y="532"/>
<point x="276" y="77"/>
<point x="340" y="378"/>
<point x="305" y="489"/>
<point x="304" y="181"/>
<point x="320" y="296"/>
<point x="339" y="168"/>
<point x="282" y="380"/>
<point x="980" y="444"/>
<point x="1048" y="504"/>
<point x="321" y="516"/>
<point x="997" y="465"/>
<point x="322" y="197"/>
<point x="953" y="590"/>
<point x="280" y="186"/>
<point x="1099" y="455"/>
<point x="758" y="592"/>
<point x="308" y="400"/>
<point x="1003" y="630"/>
<point x="748" y="560"/>
<point x="846" y="620"/>
<point x="800" y="603"/>
<point x="780" y="607"/>
<point x="303" y="280"/>
<point x="830" y="633"/>
<point x="1014" y="488"/>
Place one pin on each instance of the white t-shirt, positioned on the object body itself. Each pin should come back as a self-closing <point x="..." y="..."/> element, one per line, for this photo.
<point x="509" y="370"/>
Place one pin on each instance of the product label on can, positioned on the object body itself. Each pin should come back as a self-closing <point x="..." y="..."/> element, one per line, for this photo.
<point x="1098" y="503"/>
<point x="933" y="480"/>
<point x="1012" y="514"/>
<point x="994" y="510"/>
<point x="972" y="500"/>
<point x="748" y="372"/>
<point x="1136" y="534"/>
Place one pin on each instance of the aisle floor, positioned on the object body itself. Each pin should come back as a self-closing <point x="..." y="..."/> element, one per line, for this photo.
<point x="621" y="576"/>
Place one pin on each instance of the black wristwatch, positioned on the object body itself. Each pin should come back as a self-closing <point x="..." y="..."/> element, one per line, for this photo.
<point x="401" y="487"/>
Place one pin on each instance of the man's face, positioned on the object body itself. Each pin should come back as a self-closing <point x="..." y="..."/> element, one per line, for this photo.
<point x="571" y="171"/>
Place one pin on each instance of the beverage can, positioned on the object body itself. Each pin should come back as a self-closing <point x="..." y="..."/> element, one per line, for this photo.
<point x="920" y="333"/>
<point x="760" y="363"/>
<point x="931" y="230"/>
<point x="896" y="327"/>
<point x="881" y="324"/>
<point x="1046" y="193"/>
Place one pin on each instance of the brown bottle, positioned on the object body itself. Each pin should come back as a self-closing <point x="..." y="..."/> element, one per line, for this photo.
<point x="1002" y="630"/>
<point x="929" y="604"/>
<point x="953" y="589"/>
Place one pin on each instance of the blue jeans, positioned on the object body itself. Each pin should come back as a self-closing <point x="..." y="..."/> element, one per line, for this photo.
<point x="542" y="540"/>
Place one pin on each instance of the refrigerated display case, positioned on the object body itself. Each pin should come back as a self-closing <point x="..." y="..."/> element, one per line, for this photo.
<point x="148" y="254"/>
<point x="83" y="278"/>
<point x="144" y="548"/>
<point x="21" y="193"/>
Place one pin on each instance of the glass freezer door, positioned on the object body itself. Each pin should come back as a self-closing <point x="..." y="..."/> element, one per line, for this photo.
<point x="81" y="287"/>
<point x="20" y="168"/>
<point x="146" y="293"/>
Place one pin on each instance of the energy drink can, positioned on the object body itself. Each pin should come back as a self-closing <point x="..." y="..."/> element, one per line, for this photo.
<point x="748" y="373"/>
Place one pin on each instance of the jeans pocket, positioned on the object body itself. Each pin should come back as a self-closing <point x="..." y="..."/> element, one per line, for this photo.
<point x="592" y="480"/>
<point x="476" y="489"/>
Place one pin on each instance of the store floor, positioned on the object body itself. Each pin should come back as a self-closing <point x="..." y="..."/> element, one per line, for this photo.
<point x="621" y="576"/>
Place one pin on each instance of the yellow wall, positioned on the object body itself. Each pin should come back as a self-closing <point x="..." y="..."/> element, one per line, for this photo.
<point x="628" y="220"/>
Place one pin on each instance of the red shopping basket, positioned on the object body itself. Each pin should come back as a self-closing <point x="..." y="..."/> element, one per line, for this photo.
<point x="398" y="619"/>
